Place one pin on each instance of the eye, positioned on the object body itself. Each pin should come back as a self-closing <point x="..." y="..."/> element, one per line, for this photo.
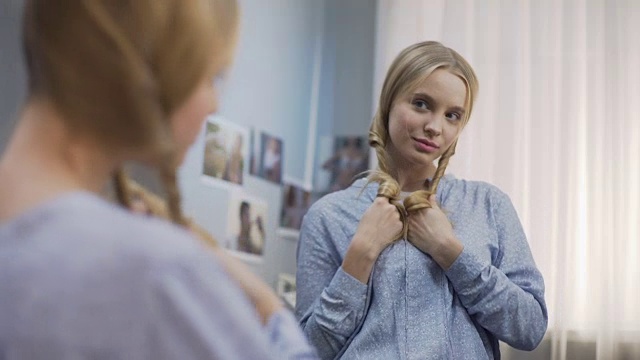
<point x="454" y="116"/>
<point x="421" y="104"/>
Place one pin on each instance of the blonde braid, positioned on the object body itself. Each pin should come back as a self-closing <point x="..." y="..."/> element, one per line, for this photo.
<point x="169" y="180"/>
<point x="157" y="206"/>
<point x="442" y="167"/>
<point x="420" y="199"/>
<point x="120" y="186"/>
<point x="388" y="187"/>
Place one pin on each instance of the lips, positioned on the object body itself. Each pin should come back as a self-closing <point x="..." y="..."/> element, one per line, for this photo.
<point x="425" y="146"/>
<point x="427" y="143"/>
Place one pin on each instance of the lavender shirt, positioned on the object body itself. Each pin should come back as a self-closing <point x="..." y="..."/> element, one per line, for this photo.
<point x="83" y="279"/>
<point x="411" y="308"/>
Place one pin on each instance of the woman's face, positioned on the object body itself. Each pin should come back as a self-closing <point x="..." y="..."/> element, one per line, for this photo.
<point x="187" y="121"/>
<point x="424" y="123"/>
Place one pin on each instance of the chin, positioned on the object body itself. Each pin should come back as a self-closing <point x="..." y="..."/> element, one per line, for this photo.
<point x="425" y="158"/>
<point x="419" y="161"/>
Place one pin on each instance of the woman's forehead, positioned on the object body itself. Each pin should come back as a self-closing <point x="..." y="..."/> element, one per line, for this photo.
<point x="442" y="86"/>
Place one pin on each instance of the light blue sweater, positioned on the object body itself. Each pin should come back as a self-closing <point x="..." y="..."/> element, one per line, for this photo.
<point x="83" y="279"/>
<point x="411" y="308"/>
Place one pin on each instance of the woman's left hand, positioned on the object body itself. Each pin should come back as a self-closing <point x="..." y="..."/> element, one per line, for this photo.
<point x="430" y="231"/>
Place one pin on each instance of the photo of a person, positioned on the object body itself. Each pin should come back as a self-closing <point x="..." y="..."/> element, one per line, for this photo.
<point x="251" y="236"/>
<point x="233" y="169"/>
<point x="266" y="157"/>
<point x="295" y="203"/>
<point x="349" y="160"/>
<point x="272" y="159"/>
<point x="246" y="227"/>
<point x="224" y="151"/>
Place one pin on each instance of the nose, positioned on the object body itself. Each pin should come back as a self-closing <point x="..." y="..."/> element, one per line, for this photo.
<point x="433" y="125"/>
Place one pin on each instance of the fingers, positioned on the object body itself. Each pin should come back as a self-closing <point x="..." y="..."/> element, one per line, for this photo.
<point x="389" y="215"/>
<point x="433" y="201"/>
<point x="381" y="200"/>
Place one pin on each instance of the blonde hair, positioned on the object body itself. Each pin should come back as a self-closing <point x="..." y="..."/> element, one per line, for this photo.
<point x="408" y="70"/>
<point x="157" y="206"/>
<point x="118" y="69"/>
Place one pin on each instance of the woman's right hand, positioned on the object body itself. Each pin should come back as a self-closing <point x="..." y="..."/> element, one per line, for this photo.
<point x="379" y="227"/>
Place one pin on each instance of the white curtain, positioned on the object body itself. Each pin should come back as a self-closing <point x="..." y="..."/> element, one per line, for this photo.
<point x="557" y="127"/>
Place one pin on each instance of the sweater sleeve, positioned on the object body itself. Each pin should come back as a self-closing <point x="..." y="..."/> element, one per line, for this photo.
<point x="507" y="298"/>
<point x="197" y="312"/>
<point x="330" y="303"/>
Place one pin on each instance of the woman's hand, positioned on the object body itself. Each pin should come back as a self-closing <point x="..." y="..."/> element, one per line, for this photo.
<point x="430" y="231"/>
<point x="379" y="227"/>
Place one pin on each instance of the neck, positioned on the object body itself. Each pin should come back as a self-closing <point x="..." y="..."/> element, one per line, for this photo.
<point x="411" y="180"/>
<point x="44" y="159"/>
<point x="411" y="177"/>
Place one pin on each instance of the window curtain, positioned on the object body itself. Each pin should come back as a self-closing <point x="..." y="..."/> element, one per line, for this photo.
<point x="557" y="127"/>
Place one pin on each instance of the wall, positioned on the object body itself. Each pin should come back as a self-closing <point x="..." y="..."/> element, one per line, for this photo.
<point x="12" y="73"/>
<point x="347" y="75"/>
<point x="268" y="87"/>
<point x="354" y="24"/>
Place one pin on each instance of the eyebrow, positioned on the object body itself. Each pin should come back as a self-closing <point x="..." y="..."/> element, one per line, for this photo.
<point x="459" y="109"/>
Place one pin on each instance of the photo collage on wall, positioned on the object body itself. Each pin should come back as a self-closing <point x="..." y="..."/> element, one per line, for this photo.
<point x="233" y="152"/>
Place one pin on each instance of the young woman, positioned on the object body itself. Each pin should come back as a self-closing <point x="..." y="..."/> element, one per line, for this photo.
<point x="111" y="82"/>
<point x="412" y="264"/>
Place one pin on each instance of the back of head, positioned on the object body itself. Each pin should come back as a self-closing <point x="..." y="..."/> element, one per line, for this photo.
<point x="116" y="70"/>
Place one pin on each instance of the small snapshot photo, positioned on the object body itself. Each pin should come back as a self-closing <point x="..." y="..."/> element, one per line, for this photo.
<point x="295" y="204"/>
<point x="286" y="289"/>
<point x="246" y="227"/>
<point x="266" y="156"/>
<point x="225" y="151"/>
<point x="342" y="160"/>
<point x="286" y="283"/>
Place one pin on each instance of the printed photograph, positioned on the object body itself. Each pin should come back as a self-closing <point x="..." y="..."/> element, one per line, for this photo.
<point x="247" y="218"/>
<point x="342" y="161"/>
<point x="225" y="151"/>
<point x="295" y="204"/>
<point x="266" y="156"/>
<point x="286" y="289"/>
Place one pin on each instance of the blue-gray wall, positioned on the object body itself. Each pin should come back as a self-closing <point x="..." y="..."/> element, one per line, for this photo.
<point x="268" y="87"/>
